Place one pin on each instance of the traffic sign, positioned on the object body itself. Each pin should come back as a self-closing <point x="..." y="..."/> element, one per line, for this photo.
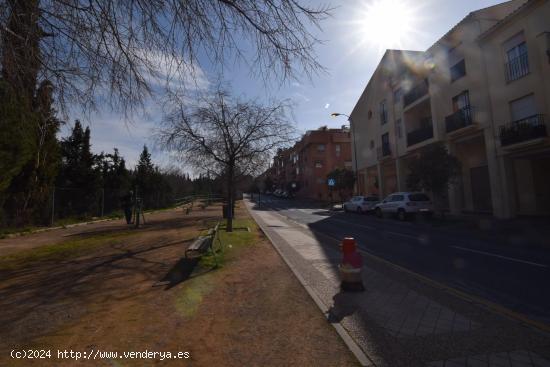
<point x="331" y="182"/>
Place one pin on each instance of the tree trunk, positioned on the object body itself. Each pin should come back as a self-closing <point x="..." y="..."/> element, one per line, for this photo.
<point x="229" y="225"/>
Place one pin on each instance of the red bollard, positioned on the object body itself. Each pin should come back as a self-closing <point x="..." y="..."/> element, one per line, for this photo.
<point x="350" y="267"/>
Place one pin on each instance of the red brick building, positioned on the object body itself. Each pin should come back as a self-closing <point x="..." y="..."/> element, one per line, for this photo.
<point x="303" y="168"/>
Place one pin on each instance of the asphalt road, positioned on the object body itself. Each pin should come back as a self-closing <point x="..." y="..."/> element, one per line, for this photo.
<point x="516" y="277"/>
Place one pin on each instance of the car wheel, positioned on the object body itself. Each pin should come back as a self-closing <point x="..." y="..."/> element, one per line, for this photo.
<point x="359" y="210"/>
<point x="401" y="215"/>
<point x="378" y="212"/>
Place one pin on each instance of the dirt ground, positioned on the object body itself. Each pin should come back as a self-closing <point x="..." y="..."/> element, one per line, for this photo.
<point x="132" y="294"/>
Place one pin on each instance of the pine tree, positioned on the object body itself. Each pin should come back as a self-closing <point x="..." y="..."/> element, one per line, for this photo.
<point x="115" y="179"/>
<point x="80" y="175"/>
<point x="144" y="177"/>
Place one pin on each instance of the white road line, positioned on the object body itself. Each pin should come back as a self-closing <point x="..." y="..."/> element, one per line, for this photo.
<point x="351" y="223"/>
<point x="500" y="256"/>
<point x="402" y="234"/>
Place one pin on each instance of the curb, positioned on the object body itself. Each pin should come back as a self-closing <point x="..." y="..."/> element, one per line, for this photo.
<point x="21" y="234"/>
<point x="362" y="358"/>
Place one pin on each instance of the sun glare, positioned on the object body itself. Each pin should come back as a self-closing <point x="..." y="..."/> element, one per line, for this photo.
<point x="387" y="23"/>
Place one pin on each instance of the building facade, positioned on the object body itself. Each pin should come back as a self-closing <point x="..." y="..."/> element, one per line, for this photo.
<point x="483" y="90"/>
<point x="303" y="168"/>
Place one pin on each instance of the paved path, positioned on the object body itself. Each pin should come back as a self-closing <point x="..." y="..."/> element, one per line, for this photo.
<point x="399" y="320"/>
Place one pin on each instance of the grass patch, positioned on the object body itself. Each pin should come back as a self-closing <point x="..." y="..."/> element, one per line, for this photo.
<point x="228" y="244"/>
<point x="21" y="231"/>
<point x="5" y="232"/>
<point x="60" y="251"/>
<point x="190" y="299"/>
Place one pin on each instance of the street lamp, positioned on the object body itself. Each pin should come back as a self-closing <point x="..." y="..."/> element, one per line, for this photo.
<point x="336" y="114"/>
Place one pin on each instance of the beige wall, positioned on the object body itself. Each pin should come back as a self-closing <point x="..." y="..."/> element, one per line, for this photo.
<point x="516" y="174"/>
<point x="479" y="39"/>
<point x="535" y="24"/>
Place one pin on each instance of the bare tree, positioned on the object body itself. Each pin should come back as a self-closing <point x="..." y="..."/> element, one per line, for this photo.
<point x="119" y="51"/>
<point x="227" y="136"/>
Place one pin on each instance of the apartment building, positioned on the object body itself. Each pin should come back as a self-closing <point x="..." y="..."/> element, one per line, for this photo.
<point x="304" y="167"/>
<point x="483" y="89"/>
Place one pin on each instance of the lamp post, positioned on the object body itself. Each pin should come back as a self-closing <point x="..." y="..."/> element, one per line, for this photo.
<point x="336" y="114"/>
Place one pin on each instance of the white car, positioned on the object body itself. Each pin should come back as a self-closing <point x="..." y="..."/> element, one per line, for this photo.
<point x="404" y="204"/>
<point x="361" y="204"/>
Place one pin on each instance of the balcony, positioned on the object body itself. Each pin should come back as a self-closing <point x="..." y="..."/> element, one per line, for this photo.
<point x="529" y="128"/>
<point x="458" y="120"/>
<point x="383" y="151"/>
<point x="517" y="67"/>
<point x="419" y="91"/>
<point x="419" y="135"/>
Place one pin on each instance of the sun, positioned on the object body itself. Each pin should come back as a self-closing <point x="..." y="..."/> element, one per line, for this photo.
<point x="387" y="24"/>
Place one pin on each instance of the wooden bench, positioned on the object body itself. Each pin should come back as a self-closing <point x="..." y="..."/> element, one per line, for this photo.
<point x="201" y="245"/>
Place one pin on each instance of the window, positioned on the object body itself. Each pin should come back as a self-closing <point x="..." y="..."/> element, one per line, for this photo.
<point x="398" y="128"/>
<point x="397" y="95"/>
<point x="523" y="108"/>
<point x="386" y="139"/>
<point x="338" y="148"/>
<point x="386" y="145"/>
<point x="517" y="61"/>
<point x="347" y="164"/>
<point x="318" y="164"/>
<point x="321" y="147"/>
<point x="372" y="144"/>
<point x="370" y="114"/>
<point x="383" y="113"/>
<point x="461" y="102"/>
<point x="397" y="198"/>
<point x="458" y="70"/>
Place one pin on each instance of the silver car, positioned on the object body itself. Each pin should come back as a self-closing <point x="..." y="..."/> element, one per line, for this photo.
<point x="361" y="204"/>
<point x="404" y="204"/>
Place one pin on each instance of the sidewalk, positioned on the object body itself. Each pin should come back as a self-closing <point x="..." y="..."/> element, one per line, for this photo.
<point x="400" y="320"/>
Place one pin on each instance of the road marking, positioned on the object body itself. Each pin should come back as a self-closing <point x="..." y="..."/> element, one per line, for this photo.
<point x="402" y="235"/>
<point x="353" y="224"/>
<point x="500" y="256"/>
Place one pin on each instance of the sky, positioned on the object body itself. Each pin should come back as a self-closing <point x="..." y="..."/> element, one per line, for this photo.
<point x="354" y="39"/>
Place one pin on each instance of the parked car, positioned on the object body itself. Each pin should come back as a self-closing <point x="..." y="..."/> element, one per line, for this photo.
<point x="277" y="193"/>
<point x="361" y="204"/>
<point x="404" y="204"/>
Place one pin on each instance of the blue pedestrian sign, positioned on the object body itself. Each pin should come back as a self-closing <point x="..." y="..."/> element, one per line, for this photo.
<point x="331" y="182"/>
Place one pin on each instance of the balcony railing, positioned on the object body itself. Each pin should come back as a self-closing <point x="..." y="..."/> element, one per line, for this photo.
<point x="459" y="119"/>
<point x="419" y="135"/>
<point x="517" y="67"/>
<point x="418" y="91"/>
<point x="384" y="151"/>
<point x="529" y="128"/>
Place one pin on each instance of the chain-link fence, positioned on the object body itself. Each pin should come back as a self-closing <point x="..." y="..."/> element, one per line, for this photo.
<point x="74" y="203"/>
